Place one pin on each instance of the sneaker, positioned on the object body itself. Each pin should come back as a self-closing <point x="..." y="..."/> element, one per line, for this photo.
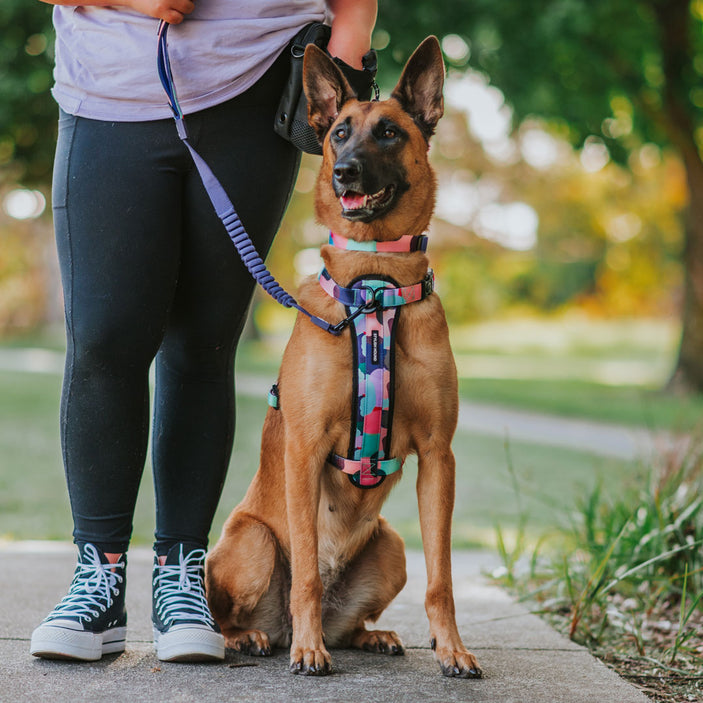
<point x="91" y="620"/>
<point x="184" y="629"/>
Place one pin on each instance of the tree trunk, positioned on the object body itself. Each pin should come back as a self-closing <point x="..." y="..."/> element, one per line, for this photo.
<point x="688" y="374"/>
<point x="674" y="17"/>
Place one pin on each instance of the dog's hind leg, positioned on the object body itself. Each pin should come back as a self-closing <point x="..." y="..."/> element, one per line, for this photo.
<point x="244" y="590"/>
<point x="370" y="582"/>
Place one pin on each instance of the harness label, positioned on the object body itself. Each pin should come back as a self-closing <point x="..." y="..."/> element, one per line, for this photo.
<point x="375" y="351"/>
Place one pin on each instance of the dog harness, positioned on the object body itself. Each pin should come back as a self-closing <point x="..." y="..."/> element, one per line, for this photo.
<point x="373" y="306"/>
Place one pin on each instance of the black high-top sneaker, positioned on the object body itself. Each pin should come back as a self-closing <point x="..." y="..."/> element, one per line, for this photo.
<point x="184" y="629"/>
<point x="91" y="619"/>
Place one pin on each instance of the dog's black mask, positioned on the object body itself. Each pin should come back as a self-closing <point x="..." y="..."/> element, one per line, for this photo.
<point x="368" y="176"/>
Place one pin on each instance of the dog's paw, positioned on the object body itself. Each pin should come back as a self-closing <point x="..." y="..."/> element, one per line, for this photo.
<point x="380" y="641"/>
<point x="252" y="642"/>
<point x="460" y="664"/>
<point x="310" y="662"/>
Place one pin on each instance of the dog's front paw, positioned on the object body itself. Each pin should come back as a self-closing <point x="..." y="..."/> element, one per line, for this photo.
<point x="459" y="663"/>
<point x="310" y="662"/>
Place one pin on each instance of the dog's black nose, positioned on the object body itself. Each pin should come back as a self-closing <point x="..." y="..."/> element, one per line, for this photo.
<point x="347" y="171"/>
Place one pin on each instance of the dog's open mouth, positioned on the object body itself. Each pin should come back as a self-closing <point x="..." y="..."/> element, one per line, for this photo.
<point x="357" y="206"/>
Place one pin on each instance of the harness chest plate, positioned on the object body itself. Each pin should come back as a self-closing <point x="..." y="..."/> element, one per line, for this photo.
<point x="373" y="308"/>
<point x="368" y="460"/>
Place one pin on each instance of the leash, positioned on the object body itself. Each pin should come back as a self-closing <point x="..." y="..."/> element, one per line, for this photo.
<point x="372" y="307"/>
<point x="223" y="205"/>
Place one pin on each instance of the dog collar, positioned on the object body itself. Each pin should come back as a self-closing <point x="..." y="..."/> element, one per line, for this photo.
<point x="406" y="243"/>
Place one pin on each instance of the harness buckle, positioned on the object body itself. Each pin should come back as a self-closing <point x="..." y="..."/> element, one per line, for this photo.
<point x="369" y="306"/>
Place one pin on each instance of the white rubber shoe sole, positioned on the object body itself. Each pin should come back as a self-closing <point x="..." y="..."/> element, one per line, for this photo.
<point x="53" y="640"/>
<point x="189" y="643"/>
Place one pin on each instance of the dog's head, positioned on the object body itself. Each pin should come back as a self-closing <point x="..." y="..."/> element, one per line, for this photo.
<point x="375" y="181"/>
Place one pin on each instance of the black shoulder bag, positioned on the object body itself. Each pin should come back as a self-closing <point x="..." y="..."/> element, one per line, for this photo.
<point x="291" y="121"/>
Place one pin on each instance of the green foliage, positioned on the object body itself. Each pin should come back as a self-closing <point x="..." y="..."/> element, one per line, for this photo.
<point x="629" y="567"/>
<point x="27" y="110"/>
<point x="600" y="67"/>
<point x="23" y="283"/>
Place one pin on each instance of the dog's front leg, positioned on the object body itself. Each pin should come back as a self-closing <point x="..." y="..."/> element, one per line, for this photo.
<point x="435" y="492"/>
<point x="308" y="654"/>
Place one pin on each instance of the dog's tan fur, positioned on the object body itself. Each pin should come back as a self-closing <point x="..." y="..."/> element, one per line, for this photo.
<point x="306" y="552"/>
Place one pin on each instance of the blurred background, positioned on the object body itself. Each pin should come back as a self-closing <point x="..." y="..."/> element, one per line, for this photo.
<point x="567" y="243"/>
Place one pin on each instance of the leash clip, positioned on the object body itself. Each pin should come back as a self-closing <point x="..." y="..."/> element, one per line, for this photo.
<point x="365" y="309"/>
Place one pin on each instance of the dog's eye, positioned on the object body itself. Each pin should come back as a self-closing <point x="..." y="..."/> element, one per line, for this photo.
<point x="340" y="132"/>
<point x="390" y="133"/>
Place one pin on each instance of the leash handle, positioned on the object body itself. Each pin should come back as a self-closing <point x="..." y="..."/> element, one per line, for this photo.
<point x="223" y="205"/>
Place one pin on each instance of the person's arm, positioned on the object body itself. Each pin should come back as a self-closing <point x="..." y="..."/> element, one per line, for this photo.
<point x="173" y="11"/>
<point x="352" y="25"/>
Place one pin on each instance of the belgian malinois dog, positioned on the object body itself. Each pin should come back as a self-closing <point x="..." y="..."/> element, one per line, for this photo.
<point x="306" y="559"/>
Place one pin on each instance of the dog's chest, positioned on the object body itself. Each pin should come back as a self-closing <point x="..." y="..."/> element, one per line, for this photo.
<point x="346" y="522"/>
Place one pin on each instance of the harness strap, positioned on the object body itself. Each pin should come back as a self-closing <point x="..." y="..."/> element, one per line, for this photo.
<point x="369" y="297"/>
<point x="368" y="468"/>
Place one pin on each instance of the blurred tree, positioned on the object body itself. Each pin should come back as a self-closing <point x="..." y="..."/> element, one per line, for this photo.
<point x="28" y="113"/>
<point x="625" y="72"/>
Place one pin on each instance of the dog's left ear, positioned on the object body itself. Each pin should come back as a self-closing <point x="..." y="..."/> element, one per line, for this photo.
<point x="419" y="90"/>
<point x="326" y="89"/>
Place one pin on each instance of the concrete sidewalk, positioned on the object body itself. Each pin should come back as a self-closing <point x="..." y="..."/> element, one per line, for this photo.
<point x="523" y="660"/>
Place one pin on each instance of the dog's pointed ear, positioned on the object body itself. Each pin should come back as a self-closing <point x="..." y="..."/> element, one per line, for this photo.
<point x="419" y="90"/>
<point x="326" y="89"/>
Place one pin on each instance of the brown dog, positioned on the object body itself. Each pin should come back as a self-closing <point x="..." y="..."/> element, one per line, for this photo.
<point x="306" y="552"/>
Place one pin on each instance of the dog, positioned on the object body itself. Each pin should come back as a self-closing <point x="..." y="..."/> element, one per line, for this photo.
<point x="306" y="559"/>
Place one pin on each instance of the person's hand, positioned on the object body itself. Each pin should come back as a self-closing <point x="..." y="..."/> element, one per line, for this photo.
<point x="352" y="25"/>
<point x="171" y="11"/>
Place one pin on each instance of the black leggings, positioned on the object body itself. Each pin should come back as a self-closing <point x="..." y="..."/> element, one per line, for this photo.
<point x="149" y="271"/>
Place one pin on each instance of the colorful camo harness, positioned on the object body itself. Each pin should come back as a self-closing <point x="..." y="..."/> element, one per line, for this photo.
<point x="372" y="306"/>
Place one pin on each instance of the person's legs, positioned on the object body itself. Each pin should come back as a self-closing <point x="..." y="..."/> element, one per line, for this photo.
<point x="117" y="211"/>
<point x="194" y="395"/>
<point x="117" y="214"/>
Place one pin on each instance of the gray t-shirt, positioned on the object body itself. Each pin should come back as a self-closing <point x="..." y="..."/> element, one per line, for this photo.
<point x="106" y="57"/>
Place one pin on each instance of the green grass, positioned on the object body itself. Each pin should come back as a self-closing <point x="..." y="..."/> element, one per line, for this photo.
<point x="629" y="405"/>
<point x="625" y="577"/>
<point x="33" y="502"/>
<point x="34" y="505"/>
<point x="570" y="365"/>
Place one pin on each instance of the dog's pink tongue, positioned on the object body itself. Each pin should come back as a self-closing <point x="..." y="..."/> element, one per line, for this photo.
<point x="353" y="201"/>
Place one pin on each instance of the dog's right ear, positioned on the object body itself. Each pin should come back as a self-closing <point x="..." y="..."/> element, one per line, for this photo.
<point x="326" y="89"/>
